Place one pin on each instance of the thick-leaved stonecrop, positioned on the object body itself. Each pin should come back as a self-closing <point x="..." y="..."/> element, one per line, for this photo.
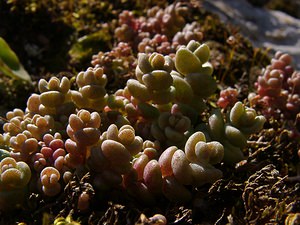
<point x="147" y="138"/>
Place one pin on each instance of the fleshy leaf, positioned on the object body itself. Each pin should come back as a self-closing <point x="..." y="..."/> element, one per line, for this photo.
<point x="186" y="62"/>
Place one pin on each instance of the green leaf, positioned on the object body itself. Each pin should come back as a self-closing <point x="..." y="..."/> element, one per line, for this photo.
<point x="186" y="62"/>
<point x="8" y="56"/>
<point x="10" y="64"/>
<point x="202" y="52"/>
<point x="203" y="85"/>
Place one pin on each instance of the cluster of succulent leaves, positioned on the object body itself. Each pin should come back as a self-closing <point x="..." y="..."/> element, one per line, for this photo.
<point x="141" y="127"/>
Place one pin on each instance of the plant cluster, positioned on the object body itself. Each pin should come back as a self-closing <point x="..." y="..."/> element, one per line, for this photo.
<point x="144" y="124"/>
<point x="62" y="130"/>
<point x="278" y="89"/>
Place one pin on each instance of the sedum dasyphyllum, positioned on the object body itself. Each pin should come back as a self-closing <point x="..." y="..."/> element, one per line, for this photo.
<point x="111" y="158"/>
<point x="163" y="105"/>
<point x="165" y="22"/>
<point x="175" y="170"/>
<point x="228" y="97"/>
<point x="52" y="153"/>
<point x="154" y="81"/>
<point x="49" y="179"/>
<point x="16" y="123"/>
<point x="193" y="80"/>
<point x="169" y="20"/>
<point x="91" y="94"/>
<point x="34" y="125"/>
<point x="55" y="98"/>
<point x="233" y="133"/>
<point x="171" y="128"/>
<point x="50" y="109"/>
<point x="191" y="31"/>
<point x="23" y="145"/>
<point x="83" y="130"/>
<point x="191" y="61"/>
<point x="159" y="43"/>
<point x="14" y="177"/>
<point x="40" y="125"/>
<point x="278" y="89"/>
<point x="117" y="64"/>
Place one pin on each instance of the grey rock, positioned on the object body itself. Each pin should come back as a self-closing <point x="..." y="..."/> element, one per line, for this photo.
<point x="264" y="28"/>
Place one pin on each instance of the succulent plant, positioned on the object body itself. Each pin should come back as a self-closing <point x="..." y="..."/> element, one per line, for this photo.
<point x="52" y="153"/>
<point x="22" y="146"/>
<point x="112" y="158"/>
<point x="192" y="62"/>
<point x="159" y="43"/>
<point x="16" y="123"/>
<point x="170" y="129"/>
<point x="228" y="97"/>
<point x="147" y="138"/>
<point x="233" y="133"/>
<point x="49" y="179"/>
<point x="144" y="123"/>
<point x="278" y="88"/>
<point x="84" y="133"/>
<point x="167" y="22"/>
<point x="118" y="65"/>
<point x="194" y="82"/>
<point x="170" y="20"/>
<point x="154" y="82"/>
<point x="49" y="110"/>
<point x="194" y="165"/>
<point x="91" y="93"/>
<point x="54" y="94"/>
<point x="14" y="177"/>
<point x="175" y="170"/>
<point x="40" y="125"/>
<point x="191" y="31"/>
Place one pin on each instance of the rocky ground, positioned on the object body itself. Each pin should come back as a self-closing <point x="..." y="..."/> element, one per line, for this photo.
<point x="264" y="27"/>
